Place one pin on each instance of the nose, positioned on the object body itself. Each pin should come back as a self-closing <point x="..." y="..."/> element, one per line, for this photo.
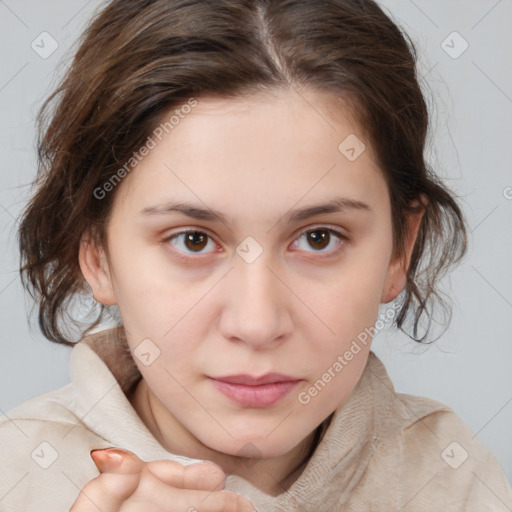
<point x="256" y="311"/>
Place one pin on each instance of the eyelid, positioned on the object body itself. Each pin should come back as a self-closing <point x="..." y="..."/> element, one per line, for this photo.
<point x="329" y="227"/>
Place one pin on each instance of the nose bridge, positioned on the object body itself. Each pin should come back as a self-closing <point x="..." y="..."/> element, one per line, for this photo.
<point x="259" y="282"/>
<point x="255" y="312"/>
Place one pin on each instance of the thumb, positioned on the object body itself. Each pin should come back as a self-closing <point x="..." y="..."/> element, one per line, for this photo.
<point x="116" y="460"/>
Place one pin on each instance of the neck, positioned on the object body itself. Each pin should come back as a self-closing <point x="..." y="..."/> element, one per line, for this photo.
<point x="270" y="475"/>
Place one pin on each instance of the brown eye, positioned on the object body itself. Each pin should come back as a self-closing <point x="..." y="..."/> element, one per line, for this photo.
<point x="191" y="242"/>
<point x="195" y="240"/>
<point x="321" y="240"/>
<point x="318" y="239"/>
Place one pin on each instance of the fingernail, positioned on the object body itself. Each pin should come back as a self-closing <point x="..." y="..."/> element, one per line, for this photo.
<point x="107" y="458"/>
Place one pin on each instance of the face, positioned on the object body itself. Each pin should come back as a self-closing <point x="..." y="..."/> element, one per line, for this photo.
<point x="286" y="260"/>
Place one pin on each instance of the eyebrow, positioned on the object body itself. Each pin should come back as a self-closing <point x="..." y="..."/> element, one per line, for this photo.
<point x="336" y="205"/>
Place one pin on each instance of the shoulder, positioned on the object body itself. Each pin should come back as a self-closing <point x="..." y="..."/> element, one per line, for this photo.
<point x="42" y="445"/>
<point x="435" y="458"/>
<point x="53" y="414"/>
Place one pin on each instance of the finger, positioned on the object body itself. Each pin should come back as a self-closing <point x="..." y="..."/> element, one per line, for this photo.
<point x="151" y="490"/>
<point x="223" y="501"/>
<point x="116" y="460"/>
<point x="120" y="474"/>
<point x="202" y="476"/>
<point x="106" y="492"/>
<point x="205" y="476"/>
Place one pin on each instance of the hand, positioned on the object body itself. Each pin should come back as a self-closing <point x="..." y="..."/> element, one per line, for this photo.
<point x="128" y="484"/>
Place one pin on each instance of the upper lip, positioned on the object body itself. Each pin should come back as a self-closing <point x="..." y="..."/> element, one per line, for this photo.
<point x="249" y="380"/>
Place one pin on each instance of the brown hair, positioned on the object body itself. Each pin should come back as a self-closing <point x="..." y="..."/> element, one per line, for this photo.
<point x="140" y="58"/>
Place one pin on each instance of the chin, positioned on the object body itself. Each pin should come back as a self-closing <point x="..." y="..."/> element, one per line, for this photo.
<point x="255" y="445"/>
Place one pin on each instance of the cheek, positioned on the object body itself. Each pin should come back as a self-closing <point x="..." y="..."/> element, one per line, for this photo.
<point x="149" y="300"/>
<point x="167" y="312"/>
<point x="350" y="308"/>
<point x="348" y="299"/>
<point x="348" y="303"/>
<point x="148" y="309"/>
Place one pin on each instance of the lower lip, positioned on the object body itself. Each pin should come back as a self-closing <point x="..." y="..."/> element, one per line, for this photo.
<point x="263" y="395"/>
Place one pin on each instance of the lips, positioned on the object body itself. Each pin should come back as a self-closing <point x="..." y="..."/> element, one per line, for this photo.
<point x="255" y="392"/>
<point x="249" y="380"/>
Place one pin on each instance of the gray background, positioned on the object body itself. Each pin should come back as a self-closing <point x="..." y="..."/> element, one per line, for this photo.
<point x="468" y="368"/>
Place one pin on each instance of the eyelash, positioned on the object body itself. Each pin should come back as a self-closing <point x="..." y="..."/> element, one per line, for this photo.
<point x="188" y="257"/>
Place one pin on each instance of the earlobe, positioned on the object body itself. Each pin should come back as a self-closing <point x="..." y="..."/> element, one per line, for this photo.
<point x="397" y="272"/>
<point x="95" y="269"/>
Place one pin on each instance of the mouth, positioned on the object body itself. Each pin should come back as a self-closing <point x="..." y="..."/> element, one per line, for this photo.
<point x="255" y="392"/>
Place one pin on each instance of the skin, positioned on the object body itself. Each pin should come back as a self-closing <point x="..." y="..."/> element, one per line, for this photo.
<point x="128" y="483"/>
<point x="293" y="310"/>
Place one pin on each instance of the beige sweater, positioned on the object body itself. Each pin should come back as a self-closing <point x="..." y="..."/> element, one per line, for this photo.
<point x="383" y="451"/>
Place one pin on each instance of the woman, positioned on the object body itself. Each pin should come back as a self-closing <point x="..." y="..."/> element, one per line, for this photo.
<point x="245" y="182"/>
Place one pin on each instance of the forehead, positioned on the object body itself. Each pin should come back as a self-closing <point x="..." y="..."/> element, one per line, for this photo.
<point x="282" y="143"/>
<point x="326" y="108"/>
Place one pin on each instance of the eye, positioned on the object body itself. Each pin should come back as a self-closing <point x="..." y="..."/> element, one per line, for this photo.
<point x="321" y="238"/>
<point x="191" y="241"/>
<point x="195" y="242"/>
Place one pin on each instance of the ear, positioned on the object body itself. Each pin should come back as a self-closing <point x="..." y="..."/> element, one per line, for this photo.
<point x="95" y="269"/>
<point x="397" y="272"/>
